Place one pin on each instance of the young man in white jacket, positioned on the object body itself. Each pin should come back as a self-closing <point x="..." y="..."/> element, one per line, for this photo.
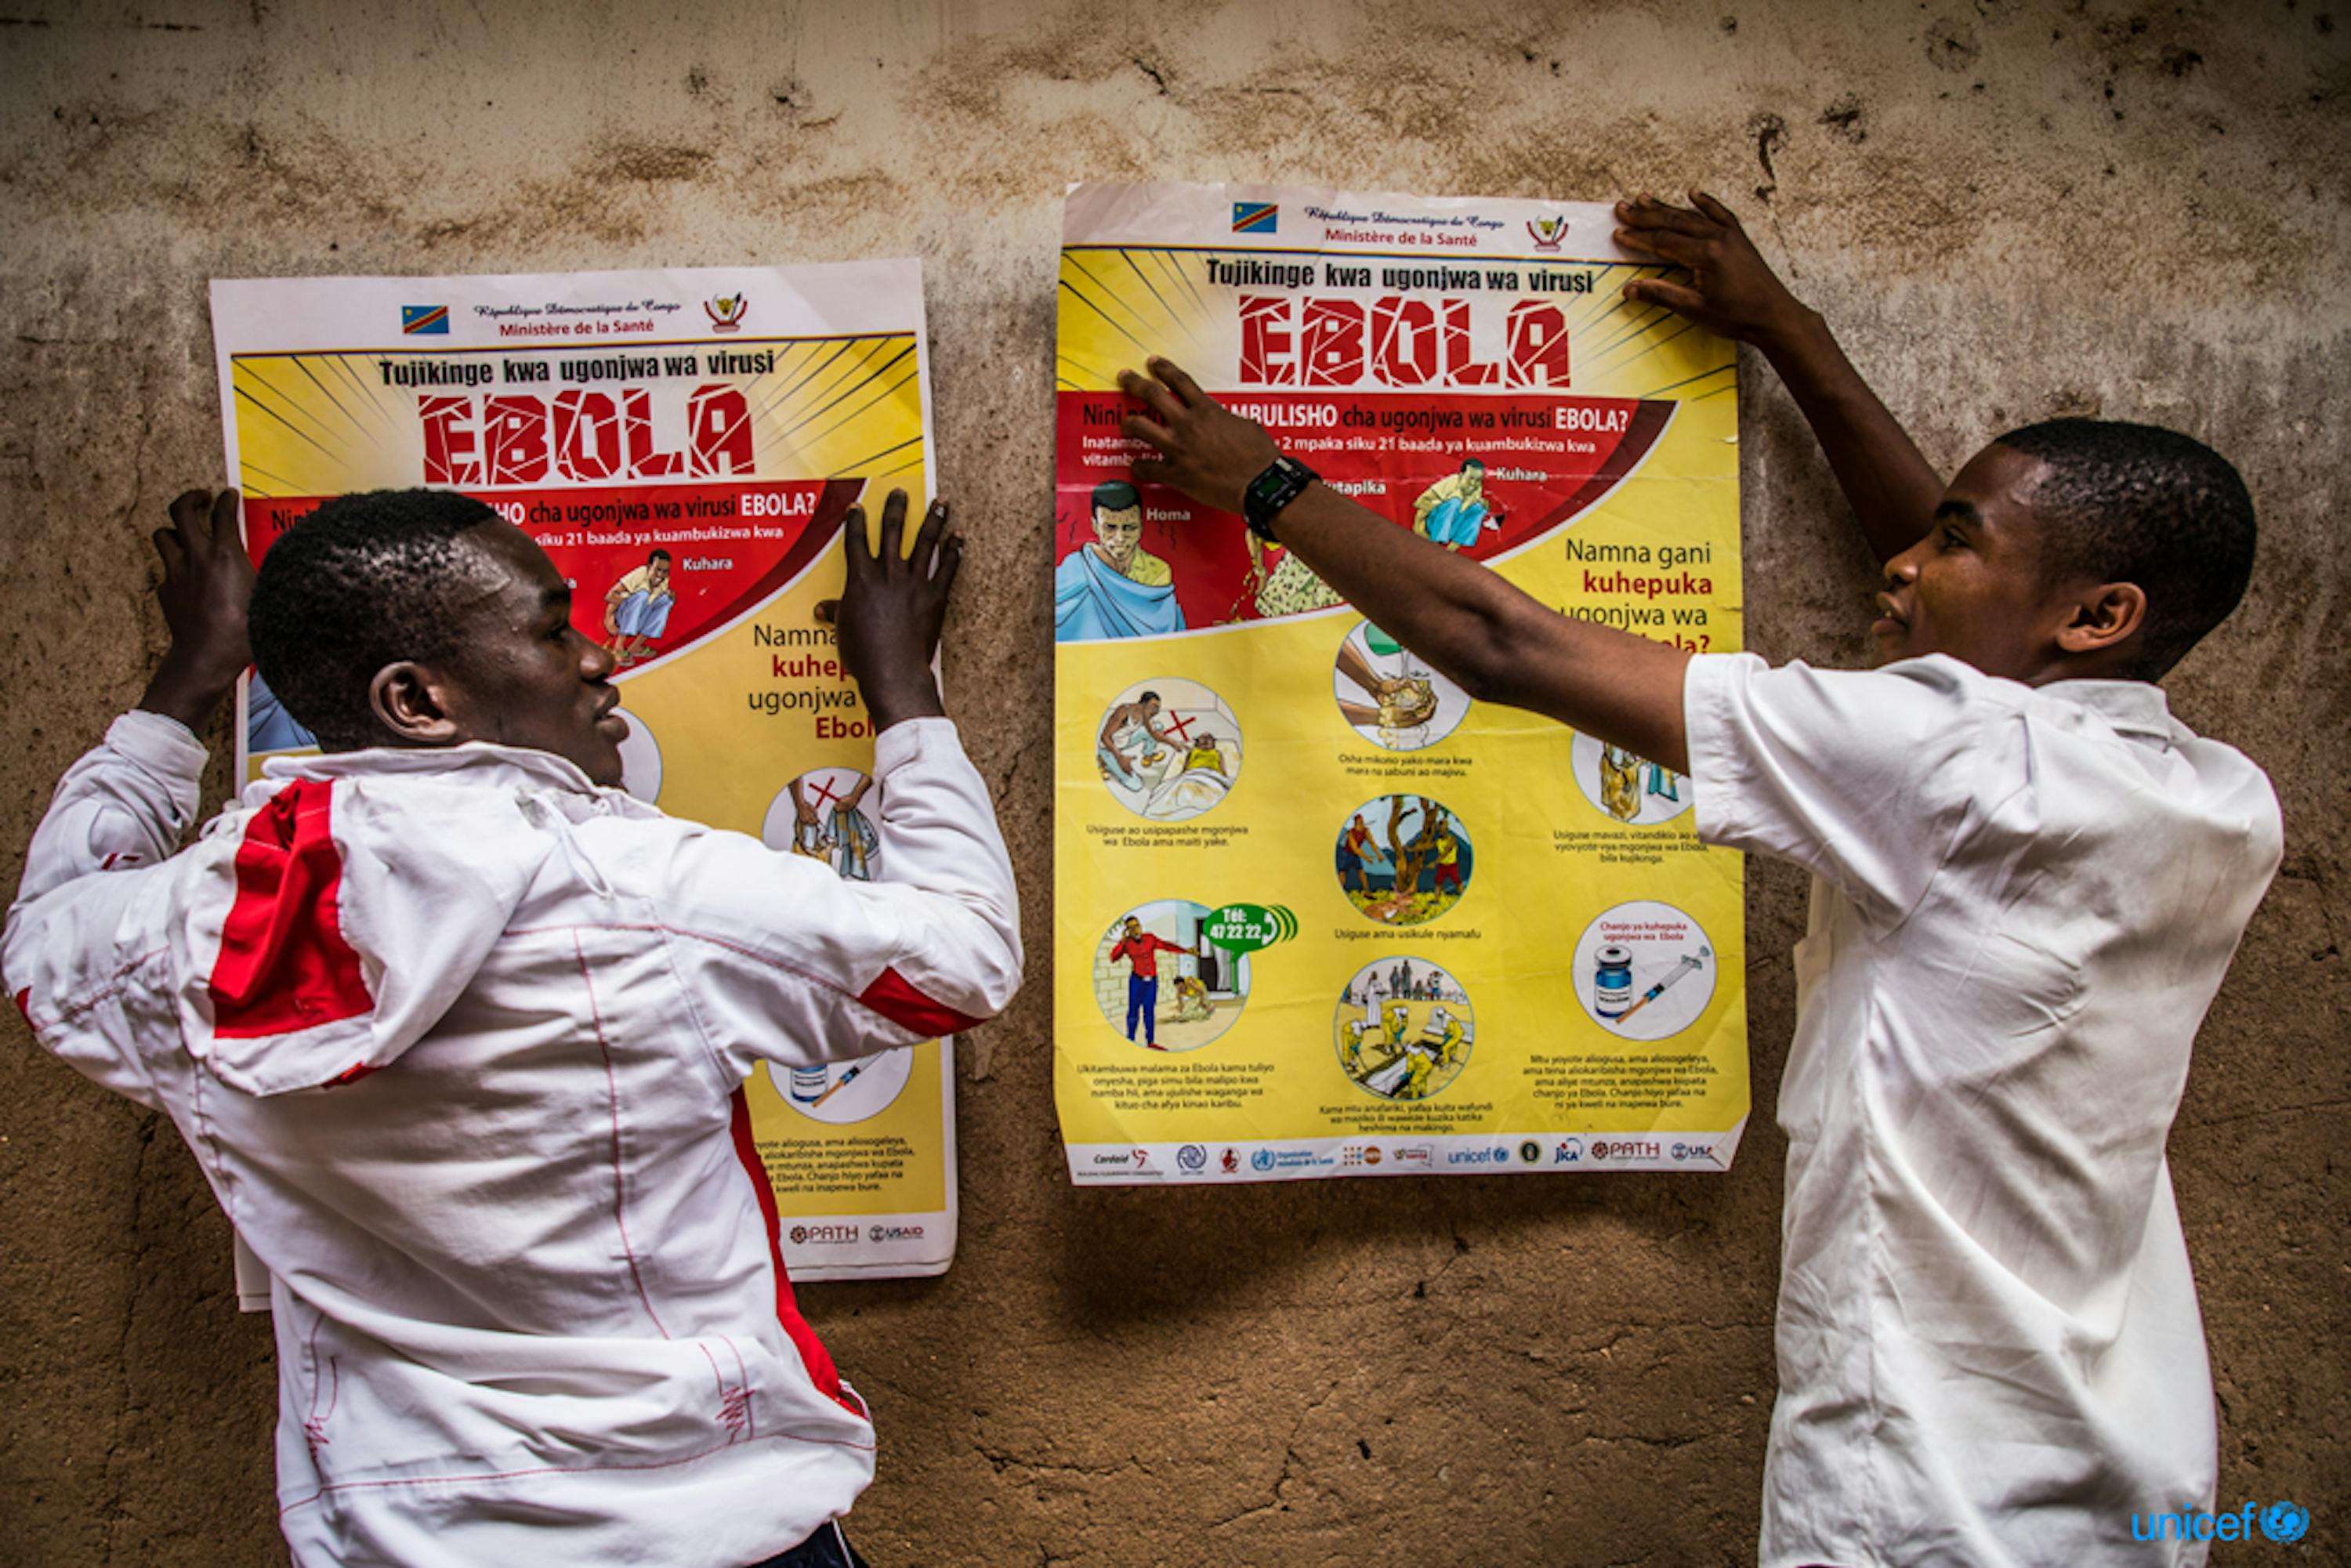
<point x="458" y="1030"/>
<point x="2029" y="881"/>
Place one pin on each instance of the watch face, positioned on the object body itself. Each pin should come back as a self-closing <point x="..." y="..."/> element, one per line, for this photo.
<point x="1268" y="485"/>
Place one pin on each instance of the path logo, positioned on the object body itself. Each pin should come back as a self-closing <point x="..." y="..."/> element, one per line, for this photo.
<point x="725" y="311"/>
<point x="424" y="320"/>
<point x="1547" y="232"/>
<point x="1255" y="217"/>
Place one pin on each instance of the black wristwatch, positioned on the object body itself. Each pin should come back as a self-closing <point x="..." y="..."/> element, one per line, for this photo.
<point x="1271" y="491"/>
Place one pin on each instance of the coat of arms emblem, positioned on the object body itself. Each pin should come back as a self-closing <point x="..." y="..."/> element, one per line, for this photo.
<point x="725" y="311"/>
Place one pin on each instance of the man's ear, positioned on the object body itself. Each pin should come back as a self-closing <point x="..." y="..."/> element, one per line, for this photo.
<point x="410" y="700"/>
<point x="2104" y="617"/>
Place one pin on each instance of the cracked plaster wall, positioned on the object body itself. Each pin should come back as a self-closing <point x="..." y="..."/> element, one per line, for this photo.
<point x="2009" y="209"/>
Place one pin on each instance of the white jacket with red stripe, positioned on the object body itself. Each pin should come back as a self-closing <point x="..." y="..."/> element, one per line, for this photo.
<point x="458" y="1040"/>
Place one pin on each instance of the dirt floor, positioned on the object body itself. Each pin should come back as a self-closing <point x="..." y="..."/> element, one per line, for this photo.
<point x="2009" y="208"/>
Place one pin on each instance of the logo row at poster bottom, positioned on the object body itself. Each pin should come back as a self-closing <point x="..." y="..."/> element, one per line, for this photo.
<point x="1456" y="1154"/>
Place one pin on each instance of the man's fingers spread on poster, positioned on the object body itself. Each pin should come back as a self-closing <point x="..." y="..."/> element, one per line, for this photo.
<point x="950" y="558"/>
<point x="1137" y="428"/>
<point x="855" y="542"/>
<point x="174" y="553"/>
<point x="828" y="611"/>
<point x="1180" y="379"/>
<point x="1149" y="473"/>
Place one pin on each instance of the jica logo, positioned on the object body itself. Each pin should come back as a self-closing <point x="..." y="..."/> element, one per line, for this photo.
<point x="2284" y="1522"/>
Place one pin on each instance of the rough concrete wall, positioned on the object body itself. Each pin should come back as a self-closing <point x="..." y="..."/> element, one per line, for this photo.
<point x="2011" y="209"/>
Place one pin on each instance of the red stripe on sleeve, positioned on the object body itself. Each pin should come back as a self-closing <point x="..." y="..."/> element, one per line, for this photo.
<point x="820" y="1369"/>
<point x="895" y="998"/>
<point x="284" y="965"/>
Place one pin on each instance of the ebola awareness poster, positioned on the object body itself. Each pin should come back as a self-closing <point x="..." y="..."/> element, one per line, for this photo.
<point x="685" y="444"/>
<point x="1317" y="912"/>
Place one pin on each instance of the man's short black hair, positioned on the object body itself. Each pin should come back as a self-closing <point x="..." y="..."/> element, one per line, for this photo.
<point x="1116" y="496"/>
<point x="1148" y="697"/>
<point x="657" y="555"/>
<point x="366" y="581"/>
<point x="2138" y="504"/>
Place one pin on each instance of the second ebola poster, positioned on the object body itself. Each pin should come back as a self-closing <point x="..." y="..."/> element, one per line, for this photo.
<point x="1317" y="912"/>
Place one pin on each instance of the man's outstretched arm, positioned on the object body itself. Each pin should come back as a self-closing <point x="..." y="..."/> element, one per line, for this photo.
<point x="1732" y="291"/>
<point x="127" y="802"/>
<point x="1487" y="636"/>
<point x="88" y="909"/>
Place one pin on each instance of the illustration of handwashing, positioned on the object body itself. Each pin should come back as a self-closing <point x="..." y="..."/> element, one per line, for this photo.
<point x="1389" y="697"/>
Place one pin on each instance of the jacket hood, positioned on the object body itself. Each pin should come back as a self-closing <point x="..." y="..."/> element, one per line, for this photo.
<point x="347" y="900"/>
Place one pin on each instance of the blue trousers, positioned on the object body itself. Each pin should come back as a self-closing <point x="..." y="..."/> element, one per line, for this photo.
<point x="828" y="1548"/>
<point x="1143" y="996"/>
<point x="1451" y="523"/>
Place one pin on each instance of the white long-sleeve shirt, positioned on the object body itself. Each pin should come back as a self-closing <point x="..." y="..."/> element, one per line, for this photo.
<point x="458" y="1039"/>
<point x="2024" y="899"/>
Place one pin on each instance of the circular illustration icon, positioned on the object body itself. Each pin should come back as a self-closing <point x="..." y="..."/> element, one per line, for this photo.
<point x="1404" y="859"/>
<point x="839" y="1092"/>
<point x="1391" y="697"/>
<point x="1404" y="1029"/>
<point x="1644" y="970"/>
<point x="640" y="759"/>
<point x="1169" y="749"/>
<point x="821" y="815"/>
<point x="1162" y="983"/>
<point x="1632" y="789"/>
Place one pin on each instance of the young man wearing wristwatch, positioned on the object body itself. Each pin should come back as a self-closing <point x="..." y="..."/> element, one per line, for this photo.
<point x="2029" y="881"/>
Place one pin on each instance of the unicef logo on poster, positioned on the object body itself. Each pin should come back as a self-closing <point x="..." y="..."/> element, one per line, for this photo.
<point x="2285" y="1522"/>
